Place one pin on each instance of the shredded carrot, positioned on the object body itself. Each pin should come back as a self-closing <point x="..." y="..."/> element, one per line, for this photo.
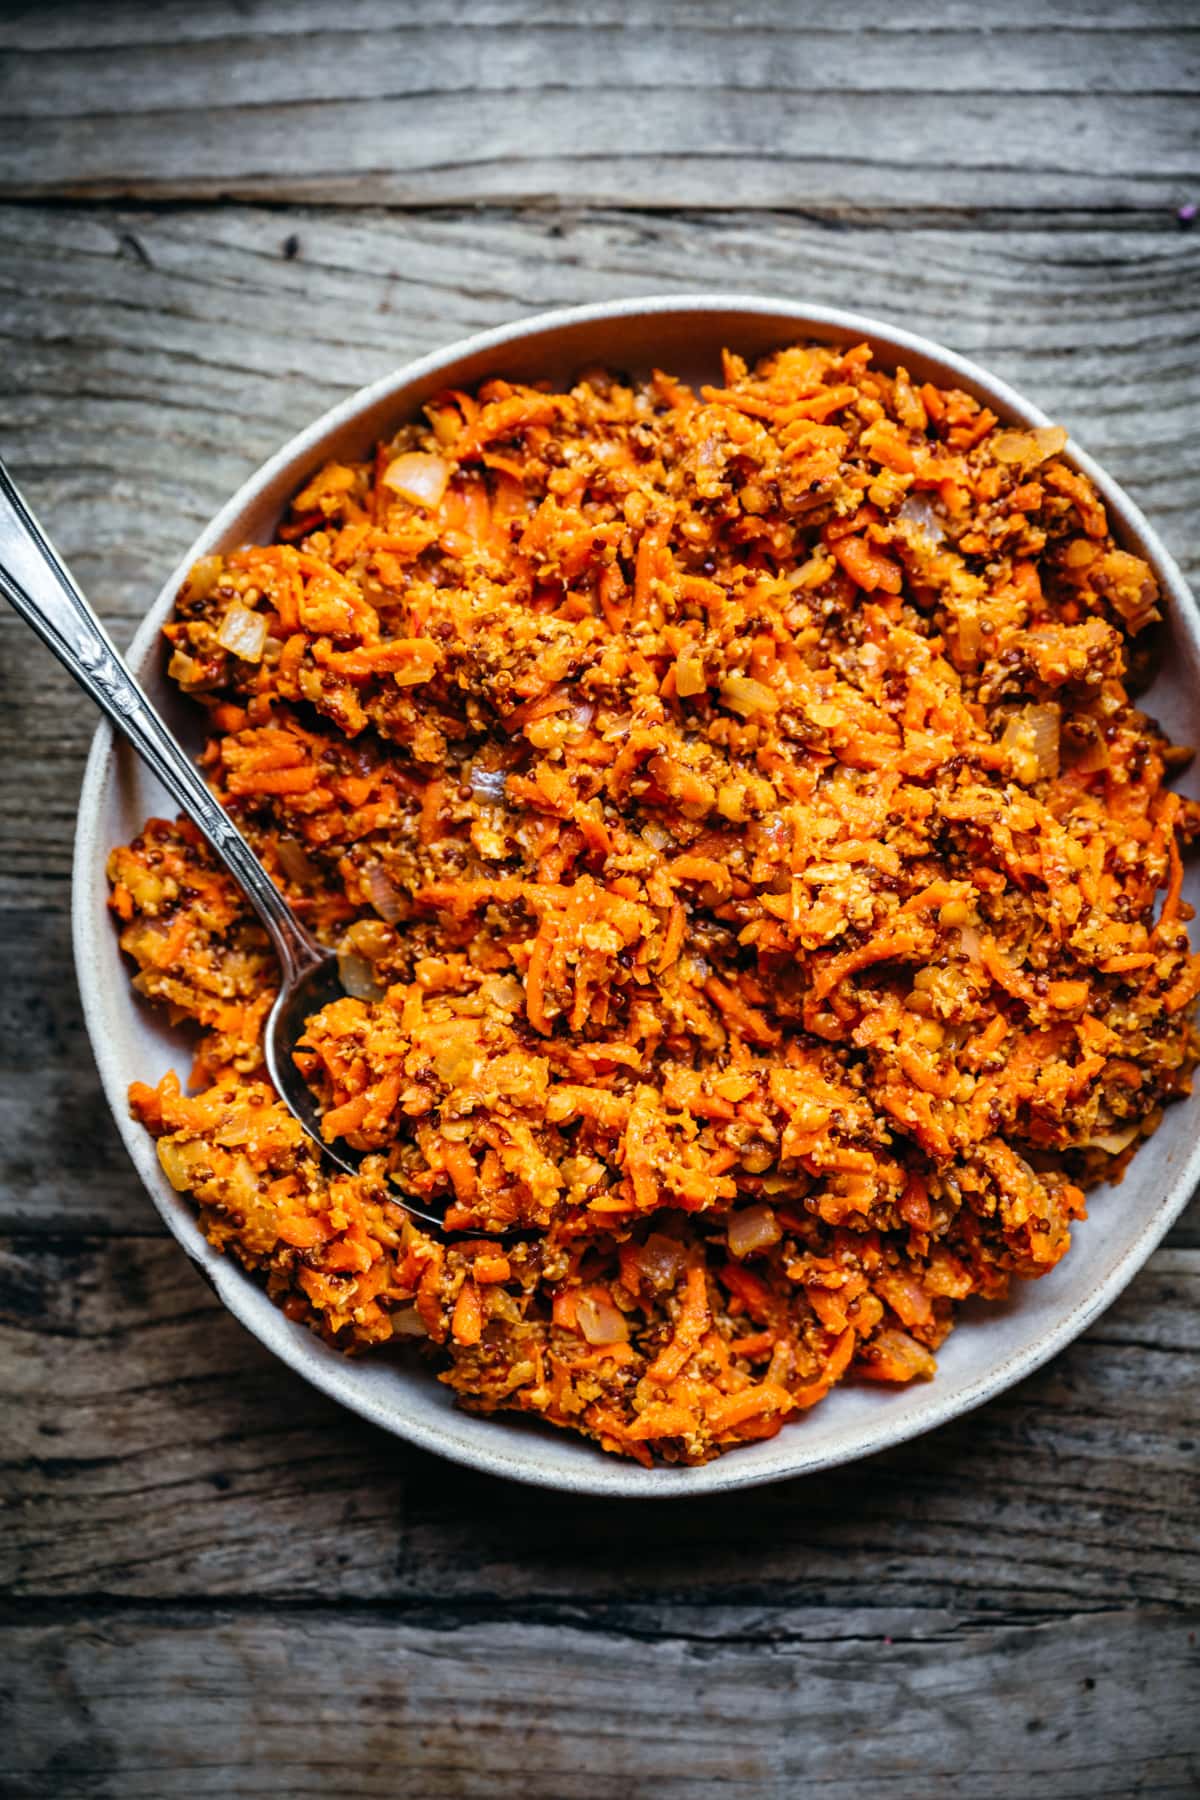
<point x="689" y="1329"/>
<point x="1174" y="886"/>
<point x="673" y="938"/>
<point x="726" y="1415"/>
<point x="866" y="567"/>
<point x="742" y="855"/>
<point x="467" y="1325"/>
<point x="273" y="781"/>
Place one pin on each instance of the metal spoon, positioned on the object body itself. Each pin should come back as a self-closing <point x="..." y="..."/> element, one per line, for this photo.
<point x="34" y="580"/>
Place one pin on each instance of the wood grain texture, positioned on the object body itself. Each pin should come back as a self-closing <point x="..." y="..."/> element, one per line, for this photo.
<point x="920" y="1706"/>
<point x="222" y="216"/>
<point x="122" y="24"/>
<point x="418" y="105"/>
<point x="188" y="1464"/>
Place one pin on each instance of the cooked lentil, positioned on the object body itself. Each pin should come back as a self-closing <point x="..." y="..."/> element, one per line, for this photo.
<point x="743" y="852"/>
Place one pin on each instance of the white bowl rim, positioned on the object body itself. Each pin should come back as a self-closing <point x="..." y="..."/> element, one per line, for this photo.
<point x="464" y="1438"/>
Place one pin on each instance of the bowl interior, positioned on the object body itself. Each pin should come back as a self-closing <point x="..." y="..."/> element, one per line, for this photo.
<point x="995" y="1344"/>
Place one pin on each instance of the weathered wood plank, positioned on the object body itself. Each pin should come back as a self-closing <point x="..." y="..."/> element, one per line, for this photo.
<point x="183" y="1705"/>
<point x="708" y="149"/>
<point x="796" y="107"/>
<point x="61" y="1161"/>
<point x="76" y="24"/>
<point x="154" y="1449"/>
<point x="216" y="1581"/>
<point x="398" y="58"/>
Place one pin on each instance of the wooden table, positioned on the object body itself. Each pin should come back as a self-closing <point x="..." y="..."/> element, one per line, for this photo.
<point x="216" y="219"/>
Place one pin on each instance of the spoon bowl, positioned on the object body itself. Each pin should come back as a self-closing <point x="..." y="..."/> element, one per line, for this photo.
<point x="311" y="988"/>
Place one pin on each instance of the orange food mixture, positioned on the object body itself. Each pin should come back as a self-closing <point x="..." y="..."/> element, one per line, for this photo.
<point x="745" y="859"/>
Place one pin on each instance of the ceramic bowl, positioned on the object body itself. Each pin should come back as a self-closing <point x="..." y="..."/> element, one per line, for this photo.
<point x="994" y="1346"/>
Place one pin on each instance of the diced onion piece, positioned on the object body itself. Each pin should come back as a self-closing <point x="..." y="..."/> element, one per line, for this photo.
<point x="742" y="694"/>
<point x="660" y="1259"/>
<point x="689" y="675"/>
<point x="330" y="481"/>
<point x="918" y="510"/>
<point x="408" y="1323"/>
<point x="242" y="1183"/>
<point x="243" y="633"/>
<point x="487" y="785"/>
<point x="1013" y="446"/>
<point x="175" y="1165"/>
<point x="754" y="1228"/>
<point x="385" y="897"/>
<point x="1031" y="741"/>
<point x="970" y="943"/>
<point x="1051" y="440"/>
<point x="193" y="676"/>
<point x="203" y="577"/>
<point x="296" y="863"/>
<point x="1045" y="723"/>
<point x="418" y="477"/>
<point x="503" y="992"/>
<point x="1028" y="448"/>
<point x="968" y="637"/>
<point x="458" y="1061"/>
<point x="371" y="938"/>
<point x="1093" y="757"/>
<point x="358" y="976"/>
<point x="599" y="1320"/>
<point x="1112" y="1141"/>
<point x="447" y="423"/>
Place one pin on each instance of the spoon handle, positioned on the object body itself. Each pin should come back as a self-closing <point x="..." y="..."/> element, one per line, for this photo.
<point x="36" y="583"/>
